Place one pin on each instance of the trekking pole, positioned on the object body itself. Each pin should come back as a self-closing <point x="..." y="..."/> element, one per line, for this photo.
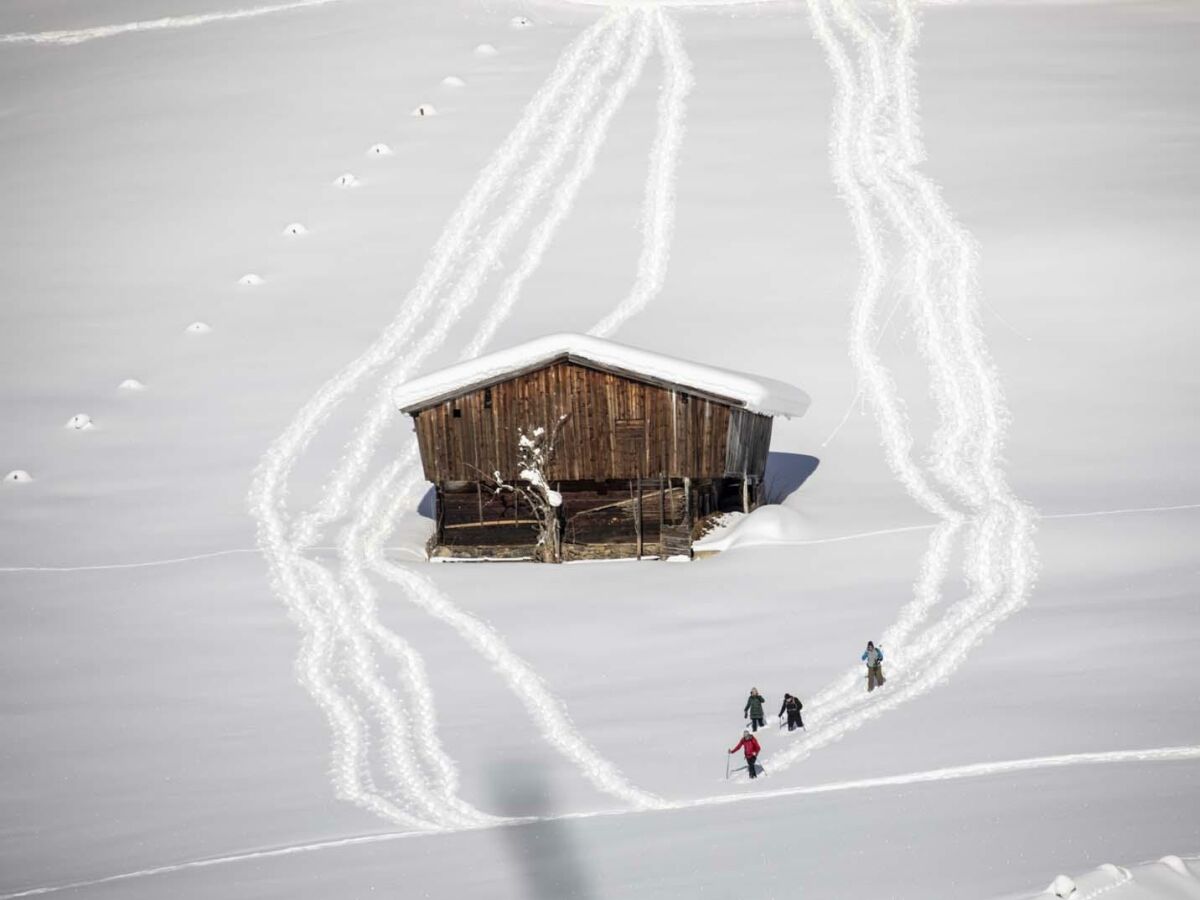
<point x="727" y="756"/>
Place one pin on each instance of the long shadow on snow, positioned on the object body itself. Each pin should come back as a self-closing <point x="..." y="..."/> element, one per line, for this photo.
<point x="545" y="854"/>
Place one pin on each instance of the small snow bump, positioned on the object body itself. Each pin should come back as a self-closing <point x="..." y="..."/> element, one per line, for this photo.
<point x="453" y="81"/>
<point x="425" y="109"/>
<point x="347" y="180"/>
<point x="250" y="280"/>
<point x="1062" y="886"/>
<point x="379" y="150"/>
<point x="131" y="384"/>
<point x="521" y="22"/>
<point x="79" y="422"/>
<point x="296" y="229"/>
<point x="1176" y="865"/>
<point x="199" y="328"/>
<point x="18" y="476"/>
<point x="486" y="50"/>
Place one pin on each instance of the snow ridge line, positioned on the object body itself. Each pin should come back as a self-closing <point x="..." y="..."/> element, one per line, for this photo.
<point x="953" y="773"/>
<point x="1124" y="876"/>
<point x="80" y="35"/>
<point x="967" y="444"/>
<point x="338" y="491"/>
<point x="658" y="215"/>
<point x="293" y="579"/>
<point x="854" y="536"/>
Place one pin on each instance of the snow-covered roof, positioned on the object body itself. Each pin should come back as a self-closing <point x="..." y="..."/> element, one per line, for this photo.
<point x="757" y="394"/>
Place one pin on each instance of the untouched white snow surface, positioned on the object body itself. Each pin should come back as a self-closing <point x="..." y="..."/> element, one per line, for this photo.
<point x="763" y="395"/>
<point x="187" y="712"/>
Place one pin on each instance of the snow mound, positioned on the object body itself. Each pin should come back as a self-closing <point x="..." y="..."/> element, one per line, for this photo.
<point x="131" y="384"/>
<point x="486" y="50"/>
<point x="296" y="229"/>
<point x="347" y="180"/>
<point x="1177" y="865"/>
<point x="521" y="22"/>
<point x="199" y="328"/>
<point x="18" y="476"/>
<point x="1062" y="886"/>
<point x="754" y="393"/>
<point x="425" y="109"/>
<point x="379" y="150"/>
<point x="765" y="526"/>
<point x="453" y="81"/>
<point x="250" y="280"/>
<point x="79" y="422"/>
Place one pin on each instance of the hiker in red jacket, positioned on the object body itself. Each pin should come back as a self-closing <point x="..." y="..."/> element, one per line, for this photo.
<point x="749" y="745"/>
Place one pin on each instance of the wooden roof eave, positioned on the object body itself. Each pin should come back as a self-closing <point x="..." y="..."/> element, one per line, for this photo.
<point x="415" y="408"/>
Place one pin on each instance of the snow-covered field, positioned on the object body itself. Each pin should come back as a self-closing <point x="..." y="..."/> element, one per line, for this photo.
<point x="229" y="235"/>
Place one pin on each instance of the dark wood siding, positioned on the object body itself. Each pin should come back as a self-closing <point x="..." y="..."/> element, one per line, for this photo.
<point x="748" y="445"/>
<point x="617" y="428"/>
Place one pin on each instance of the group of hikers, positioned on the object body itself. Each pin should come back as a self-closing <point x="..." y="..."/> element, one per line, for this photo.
<point x="791" y="706"/>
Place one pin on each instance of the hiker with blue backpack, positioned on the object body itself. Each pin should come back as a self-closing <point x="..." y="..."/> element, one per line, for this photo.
<point x="873" y="657"/>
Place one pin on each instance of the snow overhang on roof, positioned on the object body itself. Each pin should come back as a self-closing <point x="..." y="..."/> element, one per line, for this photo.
<point x="756" y="394"/>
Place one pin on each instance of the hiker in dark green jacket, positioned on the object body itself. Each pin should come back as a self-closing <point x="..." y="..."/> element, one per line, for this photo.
<point x="754" y="709"/>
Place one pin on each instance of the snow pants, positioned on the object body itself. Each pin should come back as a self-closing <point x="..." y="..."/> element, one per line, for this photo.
<point x="755" y="722"/>
<point x="875" y="676"/>
<point x="751" y="766"/>
<point x="794" y="721"/>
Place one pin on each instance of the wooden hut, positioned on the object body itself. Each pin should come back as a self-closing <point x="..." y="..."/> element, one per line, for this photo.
<point x="648" y="446"/>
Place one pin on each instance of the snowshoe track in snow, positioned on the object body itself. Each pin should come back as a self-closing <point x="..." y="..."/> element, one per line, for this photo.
<point x="874" y="151"/>
<point x="568" y="119"/>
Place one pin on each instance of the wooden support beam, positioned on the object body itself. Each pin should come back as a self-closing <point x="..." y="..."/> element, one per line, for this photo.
<point x="638" y="516"/>
<point x="662" y="512"/>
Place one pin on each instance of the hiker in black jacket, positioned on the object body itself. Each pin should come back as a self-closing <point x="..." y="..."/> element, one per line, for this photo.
<point x="792" y="706"/>
<point x="753" y="709"/>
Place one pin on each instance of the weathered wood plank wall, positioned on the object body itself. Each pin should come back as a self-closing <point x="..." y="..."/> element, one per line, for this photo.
<point x="616" y="428"/>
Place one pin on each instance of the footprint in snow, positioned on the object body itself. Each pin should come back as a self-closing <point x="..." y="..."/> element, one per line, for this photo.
<point x="347" y="180"/>
<point x="199" y="328"/>
<point x="425" y="109"/>
<point x="486" y="50"/>
<point x="379" y="150"/>
<point x="250" y="280"/>
<point x="79" y="422"/>
<point x="18" y="476"/>
<point x="521" y="22"/>
<point x="296" y="229"/>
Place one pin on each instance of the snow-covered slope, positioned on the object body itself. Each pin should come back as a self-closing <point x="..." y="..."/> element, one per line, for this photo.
<point x="228" y="242"/>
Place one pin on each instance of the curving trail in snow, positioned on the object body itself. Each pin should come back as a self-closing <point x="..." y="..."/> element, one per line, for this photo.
<point x="658" y="213"/>
<point x="421" y="790"/>
<point x="391" y="493"/>
<point x="543" y="163"/>
<point x="875" y="152"/>
<point x="70" y="37"/>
